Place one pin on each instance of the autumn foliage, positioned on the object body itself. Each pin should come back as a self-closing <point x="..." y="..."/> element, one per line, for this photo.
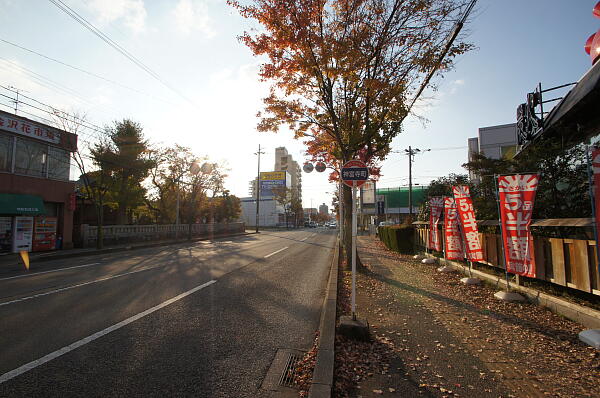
<point x="343" y="72"/>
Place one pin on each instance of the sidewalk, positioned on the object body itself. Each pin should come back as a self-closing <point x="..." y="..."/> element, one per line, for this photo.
<point x="436" y="337"/>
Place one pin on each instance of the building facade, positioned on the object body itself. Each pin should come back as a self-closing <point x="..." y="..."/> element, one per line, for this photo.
<point x="37" y="199"/>
<point x="324" y="209"/>
<point x="285" y="162"/>
<point x="494" y="142"/>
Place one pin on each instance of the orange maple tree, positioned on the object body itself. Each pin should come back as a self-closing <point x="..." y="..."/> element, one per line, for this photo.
<point x="345" y="73"/>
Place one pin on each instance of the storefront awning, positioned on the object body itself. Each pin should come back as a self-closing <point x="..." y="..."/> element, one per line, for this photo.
<point x="26" y="205"/>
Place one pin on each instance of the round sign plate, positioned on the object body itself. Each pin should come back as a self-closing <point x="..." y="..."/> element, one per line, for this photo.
<point x="308" y="167"/>
<point x="355" y="173"/>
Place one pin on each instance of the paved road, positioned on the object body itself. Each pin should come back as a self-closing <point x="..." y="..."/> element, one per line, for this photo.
<point x="201" y="319"/>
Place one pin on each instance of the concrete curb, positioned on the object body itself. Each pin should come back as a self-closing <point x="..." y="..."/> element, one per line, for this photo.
<point x="587" y="317"/>
<point x="83" y="253"/>
<point x="322" y="381"/>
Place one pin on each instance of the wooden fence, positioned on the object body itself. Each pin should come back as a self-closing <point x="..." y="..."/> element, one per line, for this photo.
<point x="115" y="234"/>
<point x="561" y="259"/>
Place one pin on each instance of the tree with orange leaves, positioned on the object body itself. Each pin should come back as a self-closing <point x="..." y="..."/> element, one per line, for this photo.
<point x="346" y="73"/>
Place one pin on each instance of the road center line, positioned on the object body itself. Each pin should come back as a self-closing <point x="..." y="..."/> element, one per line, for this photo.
<point x="280" y="250"/>
<point x="62" y="289"/>
<point x="47" y="272"/>
<point x="47" y="358"/>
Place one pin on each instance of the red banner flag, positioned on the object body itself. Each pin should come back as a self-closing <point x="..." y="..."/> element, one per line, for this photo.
<point x="436" y="207"/>
<point x="468" y="223"/>
<point x="454" y="244"/>
<point x="517" y="193"/>
<point x="596" y="169"/>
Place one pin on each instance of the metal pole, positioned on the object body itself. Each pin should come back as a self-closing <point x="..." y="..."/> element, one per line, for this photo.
<point x="410" y="209"/>
<point x="341" y="211"/>
<point x="354" y="250"/>
<point x="501" y="233"/>
<point x="177" y="214"/>
<point x="258" y="188"/>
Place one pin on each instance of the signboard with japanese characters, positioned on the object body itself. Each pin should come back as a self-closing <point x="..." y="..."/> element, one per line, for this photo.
<point x="454" y="244"/>
<point x="517" y="194"/>
<point x="436" y="208"/>
<point x="468" y="223"/>
<point x="28" y="128"/>
<point x="270" y="180"/>
<point x="355" y="173"/>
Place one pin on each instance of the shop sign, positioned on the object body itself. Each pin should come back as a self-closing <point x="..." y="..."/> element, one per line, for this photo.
<point x="517" y="194"/>
<point x="29" y="129"/>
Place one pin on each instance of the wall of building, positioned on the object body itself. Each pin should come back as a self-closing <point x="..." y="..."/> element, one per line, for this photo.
<point x="271" y="213"/>
<point x="496" y="142"/>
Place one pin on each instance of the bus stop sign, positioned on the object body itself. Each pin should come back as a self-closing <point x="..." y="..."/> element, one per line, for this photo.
<point x="355" y="173"/>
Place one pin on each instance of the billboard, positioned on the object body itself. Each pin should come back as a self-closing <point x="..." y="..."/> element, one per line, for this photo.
<point x="270" y="180"/>
<point x="367" y="193"/>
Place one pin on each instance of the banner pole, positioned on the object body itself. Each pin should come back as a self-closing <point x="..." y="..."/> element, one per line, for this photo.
<point x="443" y="219"/>
<point x="501" y="233"/>
<point x="354" y="250"/>
<point x="592" y="188"/>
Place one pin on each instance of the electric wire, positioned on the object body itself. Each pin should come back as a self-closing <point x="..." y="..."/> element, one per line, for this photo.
<point x="97" y="32"/>
<point x="85" y="71"/>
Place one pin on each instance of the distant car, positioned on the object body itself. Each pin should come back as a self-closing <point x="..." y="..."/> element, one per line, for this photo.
<point x="332" y="225"/>
<point x="312" y="224"/>
<point x="385" y="223"/>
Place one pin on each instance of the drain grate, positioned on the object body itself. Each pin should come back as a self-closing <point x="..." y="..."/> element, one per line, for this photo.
<point x="287" y="377"/>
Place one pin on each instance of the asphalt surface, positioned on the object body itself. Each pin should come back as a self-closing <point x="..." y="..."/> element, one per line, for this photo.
<point x="193" y="319"/>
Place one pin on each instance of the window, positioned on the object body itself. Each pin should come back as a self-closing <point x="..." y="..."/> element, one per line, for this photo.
<point x="58" y="163"/>
<point x="6" y="147"/>
<point x="31" y="158"/>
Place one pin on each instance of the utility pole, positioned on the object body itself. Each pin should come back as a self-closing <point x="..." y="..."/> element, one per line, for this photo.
<point x="16" y="100"/>
<point x="258" y="187"/>
<point x="411" y="153"/>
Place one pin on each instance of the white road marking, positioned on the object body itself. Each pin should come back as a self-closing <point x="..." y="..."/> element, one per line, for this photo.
<point x="62" y="289"/>
<point x="47" y="272"/>
<point x="280" y="250"/>
<point x="303" y="239"/>
<point x="47" y="358"/>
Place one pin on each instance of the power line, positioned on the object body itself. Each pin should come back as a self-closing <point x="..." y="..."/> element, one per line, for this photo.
<point x="86" y="24"/>
<point x="85" y="71"/>
<point x="63" y="117"/>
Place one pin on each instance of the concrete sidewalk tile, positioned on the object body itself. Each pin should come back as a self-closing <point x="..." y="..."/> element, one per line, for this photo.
<point x="320" y="391"/>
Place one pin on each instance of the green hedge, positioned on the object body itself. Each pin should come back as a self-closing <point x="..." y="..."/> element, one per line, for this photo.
<point x="399" y="238"/>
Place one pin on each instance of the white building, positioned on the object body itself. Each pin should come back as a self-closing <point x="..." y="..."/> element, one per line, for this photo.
<point x="495" y="142"/>
<point x="271" y="213"/>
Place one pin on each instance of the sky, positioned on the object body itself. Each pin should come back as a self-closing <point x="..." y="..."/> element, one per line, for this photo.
<point x="208" y="92"/>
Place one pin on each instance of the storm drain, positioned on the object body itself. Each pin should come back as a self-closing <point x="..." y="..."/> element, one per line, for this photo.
<point x="287" y="376"/>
